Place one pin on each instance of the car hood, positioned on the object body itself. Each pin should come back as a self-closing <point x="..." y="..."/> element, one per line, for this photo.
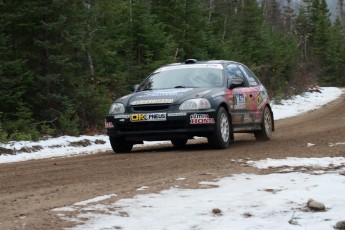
<point x="164" y="96"/>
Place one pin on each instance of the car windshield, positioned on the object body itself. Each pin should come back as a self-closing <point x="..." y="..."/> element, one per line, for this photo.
<point x="196" y="77"/>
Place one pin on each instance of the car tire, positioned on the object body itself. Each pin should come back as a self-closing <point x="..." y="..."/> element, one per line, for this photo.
<point x="179" y="142"/>
<point x="120" y="145"/>
<point x="265" y="133"/>
<point x="221" y="136"/>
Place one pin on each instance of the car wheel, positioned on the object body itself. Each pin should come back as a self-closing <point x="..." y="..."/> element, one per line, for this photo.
<point x="179" y="142"/>
<point x="220" y="139"/>
<point x="120" y="145"/>
<point x="266" y="126"/>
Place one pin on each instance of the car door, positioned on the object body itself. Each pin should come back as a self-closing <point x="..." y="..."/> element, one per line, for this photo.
<point x="259" y="93"/>
<point x="244" y="98"/>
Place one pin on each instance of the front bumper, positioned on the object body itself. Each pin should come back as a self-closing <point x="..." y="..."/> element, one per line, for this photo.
<point x="161" y="126"/>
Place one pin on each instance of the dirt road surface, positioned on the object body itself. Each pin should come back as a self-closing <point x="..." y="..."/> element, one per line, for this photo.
<point x="30" y="190"/>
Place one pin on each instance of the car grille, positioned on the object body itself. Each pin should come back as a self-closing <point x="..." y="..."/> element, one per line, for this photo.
<point x="150" y="108"/>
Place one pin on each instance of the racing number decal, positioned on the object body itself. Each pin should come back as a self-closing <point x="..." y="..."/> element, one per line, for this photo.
<point x="239" y="101"/>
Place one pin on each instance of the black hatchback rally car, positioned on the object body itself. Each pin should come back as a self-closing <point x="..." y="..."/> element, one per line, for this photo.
<point x="177" y="102"/>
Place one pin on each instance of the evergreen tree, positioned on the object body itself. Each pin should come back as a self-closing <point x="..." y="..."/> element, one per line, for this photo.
<point x="187" y="22"/>
<point x="51" y="40"/>
<point x="15" y="78"/>
<point x="112" y="46"/>
<point x="246" y="42"/>
<point x="268" y="52"/>
<point x="334" y="64"/>
<point x="151" y="45"/>
<point x="321" y="24"/>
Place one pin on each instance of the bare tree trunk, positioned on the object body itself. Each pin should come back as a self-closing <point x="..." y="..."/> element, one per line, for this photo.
<point x="341" y="12"/>
<point x="89" y="58"/>
<point x="305" y="48"/>
<point x="14" y="41"/>
<point x="224" y="27"/>
<point x="130" y="13"/>
<point x="129" y="64"/>
<point x="88" y="49"/>
<point x="210" y="7"/>
<point x="176" y="53"/>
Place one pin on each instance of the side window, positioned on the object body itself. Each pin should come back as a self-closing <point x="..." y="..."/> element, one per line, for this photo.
<point x="252" y="80"/>
<point x="233" y="71"/>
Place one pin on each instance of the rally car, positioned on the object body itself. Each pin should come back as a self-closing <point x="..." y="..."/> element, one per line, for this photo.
<point x="180" y="101"/>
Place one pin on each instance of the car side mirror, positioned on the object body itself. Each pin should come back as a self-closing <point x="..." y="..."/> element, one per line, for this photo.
<point x="134" y="87"/>
<point x="235" y="82"/>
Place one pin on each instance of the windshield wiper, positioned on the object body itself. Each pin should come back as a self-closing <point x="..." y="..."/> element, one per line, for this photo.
<point x="179" y="86"/>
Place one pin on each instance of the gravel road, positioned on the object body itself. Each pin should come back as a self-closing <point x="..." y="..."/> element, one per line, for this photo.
<point x="30" y="190"/>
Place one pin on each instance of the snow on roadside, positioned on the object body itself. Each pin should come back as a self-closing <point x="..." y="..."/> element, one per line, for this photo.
<point x="69" y="146"/>
<point x="308" y="101"/>
<point x="324" y="162"/>
<point x="54" y="147"/>
<point x="243" y="201"/>
<point x="64" y="146"/>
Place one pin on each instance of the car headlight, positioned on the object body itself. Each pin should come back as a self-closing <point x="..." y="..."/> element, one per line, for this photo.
<point x="117" y="108"/>
<point x="195" y="104"/>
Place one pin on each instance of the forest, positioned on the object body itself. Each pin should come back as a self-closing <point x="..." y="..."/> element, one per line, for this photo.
<point x="62" y="62"/>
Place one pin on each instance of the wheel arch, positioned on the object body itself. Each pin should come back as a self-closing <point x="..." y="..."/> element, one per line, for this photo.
<point x="272" y="116"/>
<point x="227" y="109"/>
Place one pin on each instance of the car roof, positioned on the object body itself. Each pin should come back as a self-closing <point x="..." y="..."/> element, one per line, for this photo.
<point x="194" y="61"/>
<point x="190" y="63"/>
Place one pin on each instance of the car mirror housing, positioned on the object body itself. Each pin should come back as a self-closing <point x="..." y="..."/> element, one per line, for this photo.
<point x="234" y="83"/>
<point x="134" y="87"/>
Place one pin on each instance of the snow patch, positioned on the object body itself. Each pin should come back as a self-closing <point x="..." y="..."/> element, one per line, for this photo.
<point x="243" y="201"/>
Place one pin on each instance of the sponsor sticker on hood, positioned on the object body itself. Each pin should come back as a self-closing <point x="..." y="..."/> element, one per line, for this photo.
<point x="165" y="93"/>
<point x="152" y="101"/>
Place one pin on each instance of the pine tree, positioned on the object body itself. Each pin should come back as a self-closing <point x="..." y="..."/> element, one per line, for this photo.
<point x="267" y="51"/>
<point x="151" y="44"/>
<point x="51" y="40"/>
<point x="321" y="24"/>
<point x="335" y="56"/>
<point x="188" y="23"/>
<point x="15" y="78"/>
<point x="246" y="40"/>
